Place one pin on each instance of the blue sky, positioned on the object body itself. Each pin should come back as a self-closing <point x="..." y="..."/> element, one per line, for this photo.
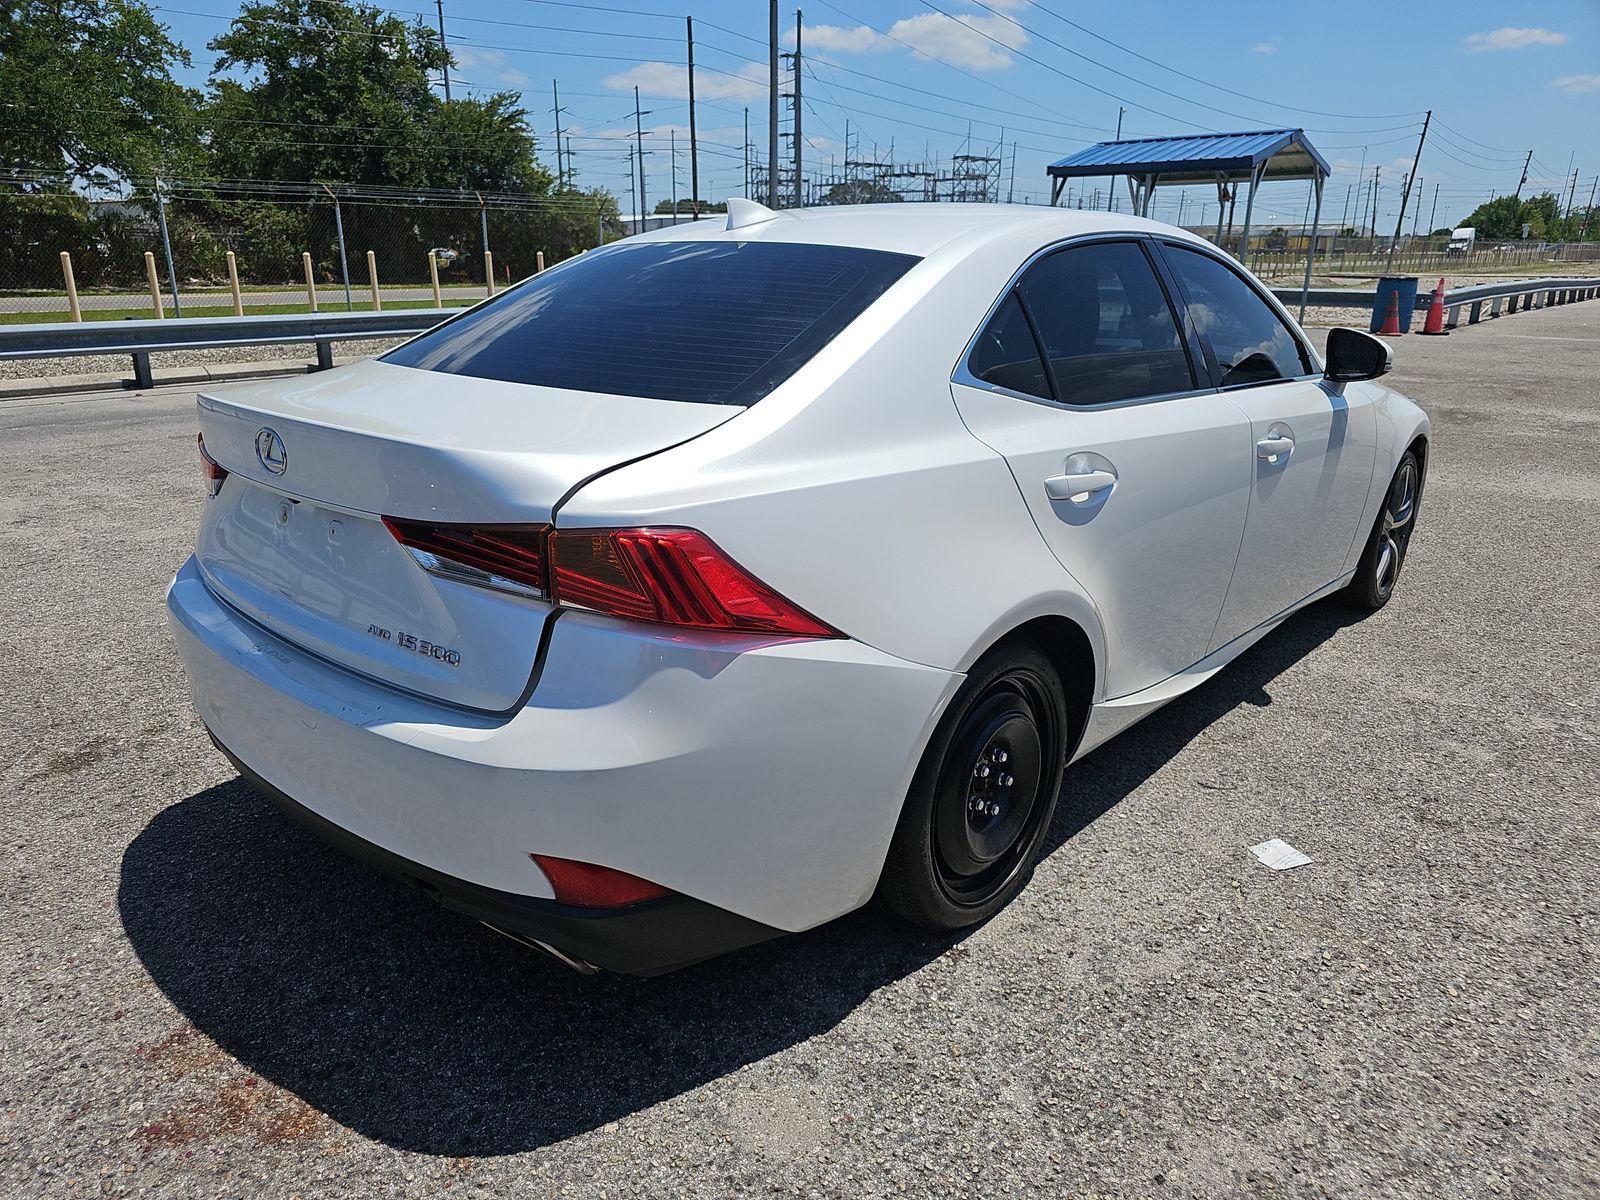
<point x="1050" y="76"/>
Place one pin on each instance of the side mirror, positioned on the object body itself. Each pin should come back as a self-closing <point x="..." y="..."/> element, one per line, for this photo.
<point x="1353" y="356"/>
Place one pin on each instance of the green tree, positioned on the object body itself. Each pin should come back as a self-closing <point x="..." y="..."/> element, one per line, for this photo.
<point x="308" y="91"/>
<point x="860" y="191"/>
<point x="1502" y="218"/>
<point x="88" y="95"/>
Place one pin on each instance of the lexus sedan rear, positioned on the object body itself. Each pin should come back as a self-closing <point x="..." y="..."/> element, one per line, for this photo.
<point x="700" y="588"/>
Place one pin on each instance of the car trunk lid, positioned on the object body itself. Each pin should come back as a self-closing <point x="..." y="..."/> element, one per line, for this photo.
<point x="296" y="541"/>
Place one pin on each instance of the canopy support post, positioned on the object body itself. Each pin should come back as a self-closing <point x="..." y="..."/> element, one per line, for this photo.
<point x="1249" y="208"/>
<point x="1311" y="250"/>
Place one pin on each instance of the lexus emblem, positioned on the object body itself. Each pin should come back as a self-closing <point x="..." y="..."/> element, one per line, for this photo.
<point x="269" y="449"/>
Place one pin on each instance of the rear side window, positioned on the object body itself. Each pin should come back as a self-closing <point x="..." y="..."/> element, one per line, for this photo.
<point x="1250" y="341"/>
<point x="711" y="322"/>
<point x="1107" y="328"/>
<point x="1007" y="355"/>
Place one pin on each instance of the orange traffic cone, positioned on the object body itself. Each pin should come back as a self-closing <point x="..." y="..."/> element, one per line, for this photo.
<point x="1391" y="321"/>
<point x="1435" y="322"/>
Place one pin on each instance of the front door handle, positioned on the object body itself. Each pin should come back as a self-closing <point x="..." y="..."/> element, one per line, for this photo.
<point x="1079" y="486"/>
<point x="1270" y="447"/>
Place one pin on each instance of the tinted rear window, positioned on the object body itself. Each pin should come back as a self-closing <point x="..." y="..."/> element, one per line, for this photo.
<point x="714" y="322"/>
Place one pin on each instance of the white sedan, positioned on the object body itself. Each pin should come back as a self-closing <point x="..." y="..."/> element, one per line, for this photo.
<point x="701" y="588"/>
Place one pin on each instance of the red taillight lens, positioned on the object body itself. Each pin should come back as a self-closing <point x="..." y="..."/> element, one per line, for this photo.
<point x="213" y="471"/>
<point x="588" y="886"/>
<point x="667" y="576"/>
<point x="672" y="576"/>
<point x="487" y="555"/>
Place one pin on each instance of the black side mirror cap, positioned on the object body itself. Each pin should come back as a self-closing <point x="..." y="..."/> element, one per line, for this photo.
<point x="1353" y="356"/>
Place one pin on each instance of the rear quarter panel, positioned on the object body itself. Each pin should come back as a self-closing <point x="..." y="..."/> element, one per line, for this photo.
<point x="855" y="489"/>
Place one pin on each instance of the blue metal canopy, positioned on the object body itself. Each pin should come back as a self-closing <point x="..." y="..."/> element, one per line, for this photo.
<point x="1200" y="158"/>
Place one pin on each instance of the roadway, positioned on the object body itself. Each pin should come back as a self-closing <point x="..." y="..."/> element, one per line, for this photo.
<point x="202" y="1000"/>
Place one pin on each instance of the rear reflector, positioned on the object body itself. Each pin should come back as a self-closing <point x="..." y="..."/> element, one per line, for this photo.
<point x="671" y="576"/>
<point x="666" y="576"/>
<point x="508" y="558"/>
<point x="213" y="471"/>
<point x="585" y="885"/>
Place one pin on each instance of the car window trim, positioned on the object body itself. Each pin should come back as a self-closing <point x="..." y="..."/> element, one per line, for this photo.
<point x="1297" y="335"/>
<point x="964" y="375"/>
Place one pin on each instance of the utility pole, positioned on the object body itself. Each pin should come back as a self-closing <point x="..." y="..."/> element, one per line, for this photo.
<point x="1377" y="173"/>
<point x="1583" y="226"/>
<point x="1011" y="188"/>
<point x="1120" y="111"/>
<point x="633" y="192"/>
<point x="1572" y="194"/>
<point x="672" y="141"/>
<point x="772" y="107"/>
<point x="746" y="151"/>
<point x="1416" y="219"/>
<point x="1344" y="220"/>
<point x="694" y="143"/>
<point x="638" y="130"/>
<point x="1405" y="192"/>
<point x="561" y="174"/>
<point x="1434" y="214"/>
<point x="799" y="179"/>
<point x="166" y="246"/>
<point x="1524" y="179"/>
<point x="446" y="50"/>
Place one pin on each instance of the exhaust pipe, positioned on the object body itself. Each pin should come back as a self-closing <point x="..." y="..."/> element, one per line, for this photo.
<point x="567" y="960"/>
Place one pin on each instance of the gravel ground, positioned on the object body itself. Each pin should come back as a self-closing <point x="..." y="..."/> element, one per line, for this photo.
<point x="200" y="999"/>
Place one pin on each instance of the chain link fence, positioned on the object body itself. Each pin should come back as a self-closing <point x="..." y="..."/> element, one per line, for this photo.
<point x="264" y="248"/>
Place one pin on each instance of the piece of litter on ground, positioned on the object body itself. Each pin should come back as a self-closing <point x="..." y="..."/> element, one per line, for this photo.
<point x="1279" y="855"/>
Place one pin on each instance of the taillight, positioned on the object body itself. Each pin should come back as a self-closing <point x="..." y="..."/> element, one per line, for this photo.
<point x="508" y="558"/>
<point x="588" y="886"/>
<point x="666" y="576"/>
<point x="213" y="471"/>
<point x="671" y="576"/>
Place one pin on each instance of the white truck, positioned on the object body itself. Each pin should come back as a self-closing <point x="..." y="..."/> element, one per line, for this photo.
<point x="1461" y="242"/>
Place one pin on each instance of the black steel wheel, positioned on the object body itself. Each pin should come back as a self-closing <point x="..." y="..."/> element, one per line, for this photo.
<point x="1385" y="553"/>
<point x="983" y="795"/>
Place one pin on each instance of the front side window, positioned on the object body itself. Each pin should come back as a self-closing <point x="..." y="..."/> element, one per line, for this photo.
<point x="711" y="322"/>
<point x="1107" y="328"/>
<point x="1251" y="343"/>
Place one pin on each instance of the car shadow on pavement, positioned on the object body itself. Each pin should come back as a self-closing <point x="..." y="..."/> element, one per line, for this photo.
<point x="415" y="1027"/>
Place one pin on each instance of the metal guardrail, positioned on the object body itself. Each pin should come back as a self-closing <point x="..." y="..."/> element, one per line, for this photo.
<point x="141" y="339"/>
<point x="1516" y="297"/>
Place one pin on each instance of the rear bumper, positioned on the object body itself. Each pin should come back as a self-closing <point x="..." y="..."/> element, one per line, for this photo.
<point x="760" y="779"/>
<point x="650" y="938"/>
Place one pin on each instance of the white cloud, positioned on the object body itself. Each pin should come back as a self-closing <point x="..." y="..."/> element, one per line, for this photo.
<point x="1267" y="47"/>
<point x="468" y="57"/>
<point x="1514" y="39"/>
<point x="839" y="40"/>
<point x="514" y="77"/>
<point x="669" y="79"/>
<point x="1577" y="85"/>
<point x="965" y="39"/>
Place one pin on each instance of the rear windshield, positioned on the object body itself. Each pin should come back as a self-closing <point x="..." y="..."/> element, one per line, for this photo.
<point x="713" y="322"/>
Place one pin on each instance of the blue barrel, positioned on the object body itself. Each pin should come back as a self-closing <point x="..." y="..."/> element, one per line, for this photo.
<point x="1406" y="287"/>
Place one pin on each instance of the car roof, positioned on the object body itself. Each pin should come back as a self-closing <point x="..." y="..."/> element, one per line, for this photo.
<point x="917" y="228"/>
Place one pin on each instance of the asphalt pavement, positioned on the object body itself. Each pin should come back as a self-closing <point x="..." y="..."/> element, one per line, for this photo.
<point x="199" y="999"/>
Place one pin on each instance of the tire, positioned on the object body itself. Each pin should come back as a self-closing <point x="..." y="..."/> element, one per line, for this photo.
<point x="1385" y="553"/>
<point x="983" y="795"/>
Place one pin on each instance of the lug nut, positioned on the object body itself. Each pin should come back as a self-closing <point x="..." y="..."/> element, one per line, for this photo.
<point x="983" y="771"/>
<point x="994" y="810"/>
<point x="998" y="755"/>
<point x="1005" y="781"/>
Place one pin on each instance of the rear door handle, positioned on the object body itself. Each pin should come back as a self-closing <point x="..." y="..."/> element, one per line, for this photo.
<point x="1078" y="487"/>
<point x="1269" y="448"/>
